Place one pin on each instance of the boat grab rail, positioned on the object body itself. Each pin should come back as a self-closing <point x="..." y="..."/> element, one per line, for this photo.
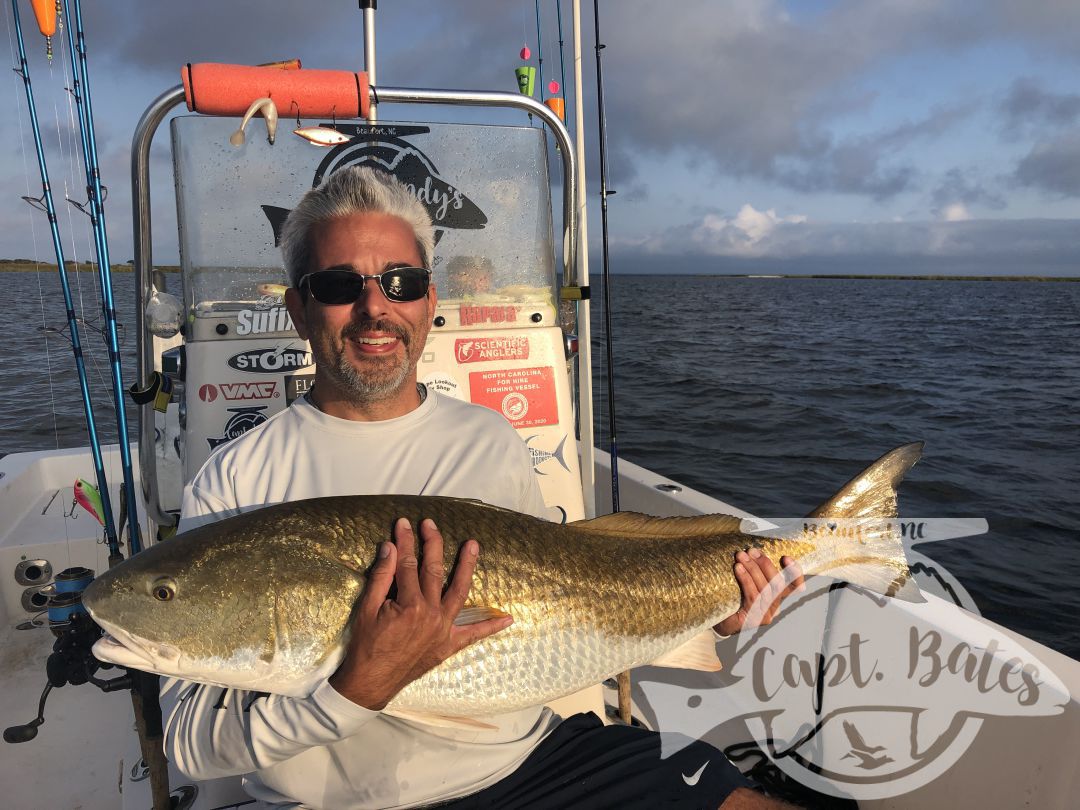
<point x="143" y="253"/>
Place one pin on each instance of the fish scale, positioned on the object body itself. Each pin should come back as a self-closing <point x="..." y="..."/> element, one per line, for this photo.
<point x="262" y="600"/>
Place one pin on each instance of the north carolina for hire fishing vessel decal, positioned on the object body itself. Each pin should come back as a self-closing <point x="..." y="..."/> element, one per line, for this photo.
<point x="384" y="147"/>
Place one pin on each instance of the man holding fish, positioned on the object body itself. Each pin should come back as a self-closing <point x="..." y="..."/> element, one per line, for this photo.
<point x="358" y="252"/>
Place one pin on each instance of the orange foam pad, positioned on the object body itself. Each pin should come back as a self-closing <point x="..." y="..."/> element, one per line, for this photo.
<point x="216" y="89"/>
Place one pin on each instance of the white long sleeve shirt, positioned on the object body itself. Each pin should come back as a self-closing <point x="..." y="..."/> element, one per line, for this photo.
<point x="324" y="751"/>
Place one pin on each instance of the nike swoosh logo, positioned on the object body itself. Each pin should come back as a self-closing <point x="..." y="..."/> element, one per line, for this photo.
<point x="693" y="780"/>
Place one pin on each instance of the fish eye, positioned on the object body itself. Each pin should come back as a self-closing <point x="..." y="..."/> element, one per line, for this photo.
<point x="164" y="589"/>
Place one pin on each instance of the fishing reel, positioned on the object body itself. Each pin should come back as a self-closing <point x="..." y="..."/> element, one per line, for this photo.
<point x="71" y="662"/>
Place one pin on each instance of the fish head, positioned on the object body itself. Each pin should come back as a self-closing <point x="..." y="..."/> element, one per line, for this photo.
<point x="269" y="614"/>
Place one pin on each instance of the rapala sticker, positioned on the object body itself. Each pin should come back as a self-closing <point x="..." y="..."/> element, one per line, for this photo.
<point x="266" y="389"/>
<point x="241" y="421"/>
<point x="484" y="350"/>
<point x="473" y="313"/>
<point x="296" y="386"/>
<point x="260" y="321"/>
<point x="263" y="361"/>
<point x="525" y="396"/>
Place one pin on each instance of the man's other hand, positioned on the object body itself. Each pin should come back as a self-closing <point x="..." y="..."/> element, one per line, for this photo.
<point x="395" y="641"/>
<point x="757" y="576"/>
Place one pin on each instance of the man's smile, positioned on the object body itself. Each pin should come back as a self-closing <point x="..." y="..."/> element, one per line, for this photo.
<point x="377" y="344"/>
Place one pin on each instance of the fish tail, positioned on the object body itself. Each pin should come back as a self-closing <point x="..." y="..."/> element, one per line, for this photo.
<point x="558" y="454"/>
<point x="855" y="531"/>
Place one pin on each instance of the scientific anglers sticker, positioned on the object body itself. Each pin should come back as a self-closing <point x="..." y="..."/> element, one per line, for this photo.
<point x="241" y="421"/>
<point x="525" y="396"/>
<point x="858" y="695"/>
<point x="385" y="148"/>
<point x="485" y="350"/>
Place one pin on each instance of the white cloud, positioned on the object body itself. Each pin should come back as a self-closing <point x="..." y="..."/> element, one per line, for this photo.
<point x="957" y="212"/>
<point x="745" y="234"/>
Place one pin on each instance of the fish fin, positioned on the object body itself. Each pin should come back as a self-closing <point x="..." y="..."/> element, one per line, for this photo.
<point x="474" y="614"/>
<point x="868" y="550"/>
<point x="277" y="217"/>
<point x="440" y="720"/>
<point x="636" y="524"/>
<point x="697" y="653"/>
<point x="872" y="493"/>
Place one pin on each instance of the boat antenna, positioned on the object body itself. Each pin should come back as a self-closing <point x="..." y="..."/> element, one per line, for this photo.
<point x="623" y="678"/>
<point x="562" y="61"/>
<point x="95" y="208"/>
<point x="45" y="203"/>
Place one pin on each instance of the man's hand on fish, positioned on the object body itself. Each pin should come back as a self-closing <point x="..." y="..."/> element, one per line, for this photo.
<point x="756" y="576"/>
<point x="396" y="640"/>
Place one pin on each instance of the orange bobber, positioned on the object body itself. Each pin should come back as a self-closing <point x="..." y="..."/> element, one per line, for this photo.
<point x="45" y="11"/>
<point x="558" y="106"/>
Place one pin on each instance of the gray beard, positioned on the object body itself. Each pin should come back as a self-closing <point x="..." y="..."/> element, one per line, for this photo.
<point x="363" y="390"/>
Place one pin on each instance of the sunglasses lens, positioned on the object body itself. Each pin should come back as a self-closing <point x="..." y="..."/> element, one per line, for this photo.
<point x="405" y="283"/>
<point x="334" y="287"/>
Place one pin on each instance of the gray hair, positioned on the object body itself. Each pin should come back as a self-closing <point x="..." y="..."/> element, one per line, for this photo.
<point x="352" y="190"/>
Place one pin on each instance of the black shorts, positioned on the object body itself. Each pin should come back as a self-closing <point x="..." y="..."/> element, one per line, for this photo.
<point x="585" y="764"/>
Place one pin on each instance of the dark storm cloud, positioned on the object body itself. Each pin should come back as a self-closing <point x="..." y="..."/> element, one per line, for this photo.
<point x="965" y="187"/>
<point x="1028" y="107"/>
<point x="1053" y="166"/>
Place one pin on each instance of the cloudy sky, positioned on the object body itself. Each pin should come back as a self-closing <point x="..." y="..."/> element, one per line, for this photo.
<point x="745" y="135"/>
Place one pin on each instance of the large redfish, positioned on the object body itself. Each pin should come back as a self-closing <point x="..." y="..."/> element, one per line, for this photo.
<point x="262" y="601"/>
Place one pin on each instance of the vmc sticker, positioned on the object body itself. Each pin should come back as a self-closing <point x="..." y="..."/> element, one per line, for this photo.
<point x="525" y="396"/>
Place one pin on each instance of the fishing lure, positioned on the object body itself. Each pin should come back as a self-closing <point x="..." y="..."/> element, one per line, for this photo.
<point x="88" y="497"/>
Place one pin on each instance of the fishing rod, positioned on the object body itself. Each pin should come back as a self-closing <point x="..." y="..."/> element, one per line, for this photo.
<point x="562" y="61"/>
<point x="94" y="207"/>
<point x="623" y="678"/>
<point x="539" y="50"/>
<point x="45" y="203"/>
<point x="604" y="193"/>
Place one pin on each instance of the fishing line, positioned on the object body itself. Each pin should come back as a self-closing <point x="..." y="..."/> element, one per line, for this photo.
<point x="45" y="203"/>
<point x="562" y="62"/>
<point x="539" y="50"/>
<point x="33" y="237"/>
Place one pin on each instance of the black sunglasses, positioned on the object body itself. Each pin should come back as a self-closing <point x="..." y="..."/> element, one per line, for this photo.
<point x="336" y="287"/>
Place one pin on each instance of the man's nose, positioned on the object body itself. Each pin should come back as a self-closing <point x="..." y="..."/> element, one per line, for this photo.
<point x="371" y="300"/>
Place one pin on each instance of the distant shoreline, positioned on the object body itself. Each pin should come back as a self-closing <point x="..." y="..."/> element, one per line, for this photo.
<point x="894" y="277"/>
<point x="28" y="266"/>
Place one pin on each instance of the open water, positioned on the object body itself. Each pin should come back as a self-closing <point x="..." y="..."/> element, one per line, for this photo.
<point x="770" y="394"/>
